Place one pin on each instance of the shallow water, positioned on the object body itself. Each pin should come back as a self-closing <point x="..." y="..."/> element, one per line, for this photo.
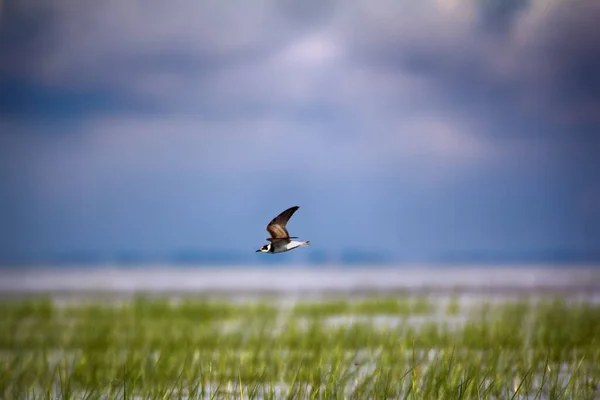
<point x="297" y="280"/>
<point x="467" y="288"/>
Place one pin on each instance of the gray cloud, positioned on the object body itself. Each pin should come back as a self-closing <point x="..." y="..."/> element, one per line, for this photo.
<point x="570" y="47"/>
<point x="24" y="28"/>
<point x="278" y="55"/>
<point x="307" y="14"/>
<point x="404" y="82"/>
<point x="386" y="69"/>
<point x="499" y="17"/>
<point x="544" y="68"/>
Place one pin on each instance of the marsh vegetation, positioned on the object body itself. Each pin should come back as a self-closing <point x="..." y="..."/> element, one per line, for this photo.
<point x="371" y="347"/>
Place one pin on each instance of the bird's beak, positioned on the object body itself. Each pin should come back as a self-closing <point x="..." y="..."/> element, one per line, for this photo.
<point x="257" y="251"/>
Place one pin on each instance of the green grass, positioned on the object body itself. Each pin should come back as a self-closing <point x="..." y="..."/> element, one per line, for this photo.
<point x="213" y="348"/>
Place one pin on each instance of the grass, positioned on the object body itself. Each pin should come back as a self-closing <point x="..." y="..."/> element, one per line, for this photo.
<point x="214" y="348"/>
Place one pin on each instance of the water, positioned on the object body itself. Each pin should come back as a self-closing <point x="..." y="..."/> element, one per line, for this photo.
<point x="472" y="284"/>
<point x="326" y="280"/>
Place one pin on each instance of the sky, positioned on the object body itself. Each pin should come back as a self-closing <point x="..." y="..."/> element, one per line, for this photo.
<point x="415" y="128"/>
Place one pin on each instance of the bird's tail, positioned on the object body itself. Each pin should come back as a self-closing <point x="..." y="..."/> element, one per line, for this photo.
<point x="306" y="243"/>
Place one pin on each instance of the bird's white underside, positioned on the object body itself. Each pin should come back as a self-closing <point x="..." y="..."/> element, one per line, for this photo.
<point x="281" y="247"/>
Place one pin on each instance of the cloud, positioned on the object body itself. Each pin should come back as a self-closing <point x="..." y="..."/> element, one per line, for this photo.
<point x="568" y="66"/>
<point x="439" y="86"/>
<point x="530" y="73"/>
<point x="476" y="59"/>
<point x="498" y="18"/>
<point x="422" y="102"/>
<point x="432" y="77"/>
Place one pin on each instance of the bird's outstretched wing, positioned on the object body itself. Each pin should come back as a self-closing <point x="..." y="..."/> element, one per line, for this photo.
<point x="276" y="227"/>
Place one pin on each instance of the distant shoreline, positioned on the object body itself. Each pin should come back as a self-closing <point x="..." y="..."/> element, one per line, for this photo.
<point x="298" y="280"/>
<point x="314" y="257"/>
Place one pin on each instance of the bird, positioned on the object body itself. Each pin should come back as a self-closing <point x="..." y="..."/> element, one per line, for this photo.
<point x="280" y="239"/>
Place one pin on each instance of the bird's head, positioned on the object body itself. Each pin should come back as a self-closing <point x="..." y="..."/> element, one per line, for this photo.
<point x="264" y="249"/>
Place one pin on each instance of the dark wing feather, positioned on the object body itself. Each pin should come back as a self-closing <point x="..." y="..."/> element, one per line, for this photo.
<point x="276" y="227"/>
<point x="286" y="238"/>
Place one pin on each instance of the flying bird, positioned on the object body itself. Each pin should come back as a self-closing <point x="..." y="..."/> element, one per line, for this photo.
<point x="280" y="239"/>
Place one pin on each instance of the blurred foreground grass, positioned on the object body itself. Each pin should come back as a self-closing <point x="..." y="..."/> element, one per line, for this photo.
<point x="390" y="347"/>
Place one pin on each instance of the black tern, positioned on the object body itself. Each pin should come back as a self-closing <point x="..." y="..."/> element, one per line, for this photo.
<point x="280" y="239"/>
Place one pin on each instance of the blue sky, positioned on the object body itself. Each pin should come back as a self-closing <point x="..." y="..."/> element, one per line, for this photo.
<point x="414" y="128"/>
